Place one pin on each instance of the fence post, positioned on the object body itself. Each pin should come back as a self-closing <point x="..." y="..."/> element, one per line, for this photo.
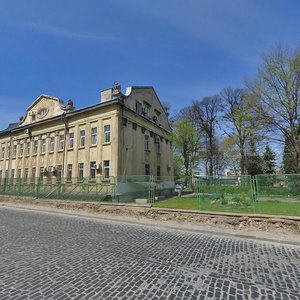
<point x="38" y="186"/>
<point x="197" y="186"/>
<point x="151" y="189"/>
<point x="254" y="188"/>
<point x="4" y="185"/>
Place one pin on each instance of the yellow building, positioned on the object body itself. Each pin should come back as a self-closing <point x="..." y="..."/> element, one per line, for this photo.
<point x="123" y="134"/>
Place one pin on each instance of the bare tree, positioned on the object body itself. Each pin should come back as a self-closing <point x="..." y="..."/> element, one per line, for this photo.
<point x="277" y="91"/>
<point x="241" y="126"/>
<point x="205" y="114"/>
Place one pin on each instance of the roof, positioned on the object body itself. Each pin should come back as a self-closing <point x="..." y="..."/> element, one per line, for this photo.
<point x="13" y="127"/>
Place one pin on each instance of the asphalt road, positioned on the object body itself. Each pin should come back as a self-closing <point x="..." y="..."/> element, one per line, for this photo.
<point x="56" y="256"/>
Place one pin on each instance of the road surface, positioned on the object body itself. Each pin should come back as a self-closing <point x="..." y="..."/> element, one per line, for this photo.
<point x="57" y="256"/>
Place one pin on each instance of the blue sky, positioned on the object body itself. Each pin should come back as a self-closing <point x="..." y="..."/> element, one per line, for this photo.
<point x="185" y="49"/>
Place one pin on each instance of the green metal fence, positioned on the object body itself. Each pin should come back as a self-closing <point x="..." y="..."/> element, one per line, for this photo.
<point x="121" y="189"/>
<point x="93" y="189"/>
<point x="225" y="192"/>
<point x="278" y="187"/>
<point x="274" y="193"/>
<point x="129" y="189"/>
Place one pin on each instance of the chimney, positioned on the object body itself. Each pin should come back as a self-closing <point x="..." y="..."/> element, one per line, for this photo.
<point x="106" y="95"/>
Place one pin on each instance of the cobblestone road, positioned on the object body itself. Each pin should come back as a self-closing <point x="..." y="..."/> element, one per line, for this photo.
<point x="51" y="256"/>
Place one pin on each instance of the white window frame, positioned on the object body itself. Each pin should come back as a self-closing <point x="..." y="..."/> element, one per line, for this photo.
<point x="82" y="138"/>
<point x="43" y="146"/>
<point x="61" y="143"/>
<point x="52" y="143"/>
<point x="3" y="153"/>
<point x="93" y="170"/>
<point x="21" y="150"/>
<point x="94" y="136"/>
<point x="80" y="171"/>
<point x="71" y="140"/>
<point x="106" y="169"/>
<point x="69" y="172"/>
<point x="107" y="133"/>
<point x="28" y="148"/>
<point x="35" y="146"/>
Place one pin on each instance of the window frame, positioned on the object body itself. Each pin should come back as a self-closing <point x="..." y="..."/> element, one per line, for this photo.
<point x="93" y="166"/>
<point x="106" y="169"/>
<point x="71" y="140"/>
<point x="146" y="142"/>
<point x="94" y="136"/>
<point x="52" y="144"/>
<point x="107" y="130"/>
<point x="61" y="142"/>
<point x="80" y="171"/>
<point x="82" y="138"/>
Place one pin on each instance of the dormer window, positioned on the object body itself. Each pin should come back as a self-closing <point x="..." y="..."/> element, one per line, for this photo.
<point x="138" y="107"/>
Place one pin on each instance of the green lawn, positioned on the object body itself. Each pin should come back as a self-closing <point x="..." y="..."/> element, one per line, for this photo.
<point x="260" y="207"/>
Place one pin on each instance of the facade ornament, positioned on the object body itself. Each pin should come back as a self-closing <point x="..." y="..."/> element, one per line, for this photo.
<point x="69" y="106"/>
<point x="116" y="90"/>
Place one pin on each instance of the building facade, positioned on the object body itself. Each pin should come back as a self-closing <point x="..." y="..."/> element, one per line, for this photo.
<point x="123" y="134"/>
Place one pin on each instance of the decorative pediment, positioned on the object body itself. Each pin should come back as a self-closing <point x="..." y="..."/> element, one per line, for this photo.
<point x="45" y="107"/>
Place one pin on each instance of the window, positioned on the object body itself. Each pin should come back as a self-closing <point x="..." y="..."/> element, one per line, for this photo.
<point x="69" y="172"/>
<point x="33" y="171"/>
<point x="92" y="170"/>
<point x="49" y="174"/>
<point x="19" y="173"/>
<point x="43" y="146"/>
<point x="15" y="151"/>
<point x="61" y="143"/>
<point x="106" y="169"/>
<point x="94" y="136"/>
<point x="80" y="171"/>
<point x="8" y="152"/>
<point x="138" y="107"/>
<point x="35" y="146"/>
<point x="21" y="150"/>
<point x="42" y="112"/>
<point x="147" y="169"/>
<point x="12" y="175"/>
<point x="82" y="138"/>
<point x="107" y="133"/>
<point x="158" y="171"/>
<point x="157" y="147"/>
<point x="71" y="140"/>
<point x="145" y="111"/>
<point x="26" y="173"/>
<point x="2" y="152"/>
<point x="146" y="142"/>
<point x="41" y="172"/>
<point x="0" y="176"/>
<point x="28" y="149"/>
<point x="52" y="141"/>
<point x="59" y="172"/>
